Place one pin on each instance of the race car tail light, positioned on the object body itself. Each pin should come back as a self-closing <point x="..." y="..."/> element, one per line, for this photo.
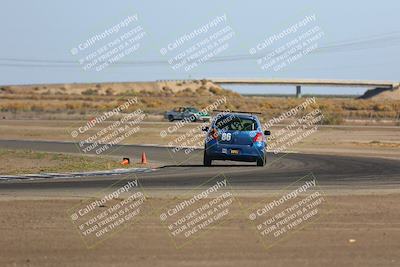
<point x="258" y="138"/>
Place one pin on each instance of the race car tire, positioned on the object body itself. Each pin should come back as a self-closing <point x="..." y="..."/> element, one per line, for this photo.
<point x="261" y="161"/>
<point x="207" y="161"/>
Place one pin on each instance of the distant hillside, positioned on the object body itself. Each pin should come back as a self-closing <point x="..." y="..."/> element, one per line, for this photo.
<point x="196" y="87"/>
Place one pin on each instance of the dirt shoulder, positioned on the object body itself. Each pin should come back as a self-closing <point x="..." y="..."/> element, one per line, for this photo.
<point x="360" y="230"/>
<point x="28" y="162"/>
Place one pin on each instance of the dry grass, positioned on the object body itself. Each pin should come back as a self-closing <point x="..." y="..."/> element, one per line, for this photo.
<point x="159" y="97"/>
<point x="27" y="161"/>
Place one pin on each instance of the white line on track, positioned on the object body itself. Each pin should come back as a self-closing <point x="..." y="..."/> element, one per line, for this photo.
<point x="75" y="174"/>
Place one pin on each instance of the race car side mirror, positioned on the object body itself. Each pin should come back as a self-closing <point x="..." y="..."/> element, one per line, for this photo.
<point x="205" y="129"/>
<point x="267" y="132"/>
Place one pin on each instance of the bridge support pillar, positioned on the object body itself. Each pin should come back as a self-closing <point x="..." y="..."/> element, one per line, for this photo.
<point x="298" y="91"/>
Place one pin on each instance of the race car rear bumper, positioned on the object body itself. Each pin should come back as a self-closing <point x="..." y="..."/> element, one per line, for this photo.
<point x="235" y="152"/>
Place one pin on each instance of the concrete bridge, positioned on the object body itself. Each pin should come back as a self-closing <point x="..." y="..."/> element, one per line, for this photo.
<point x="310" y="82"/>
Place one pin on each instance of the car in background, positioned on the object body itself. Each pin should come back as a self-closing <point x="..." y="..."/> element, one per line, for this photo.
<point x="236" y="137"/>
<point x="189" y="113"/>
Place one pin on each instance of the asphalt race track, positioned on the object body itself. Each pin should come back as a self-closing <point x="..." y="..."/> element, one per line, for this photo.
<point x="178" y="170"/>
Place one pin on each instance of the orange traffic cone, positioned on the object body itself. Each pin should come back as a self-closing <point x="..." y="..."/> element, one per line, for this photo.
<point x="125" y="161"/>
<point x="144" y="158"/>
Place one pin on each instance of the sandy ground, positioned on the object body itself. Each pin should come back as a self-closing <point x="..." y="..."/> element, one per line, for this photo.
<point x="28" y="162"/>
<point x="360" y="230"/>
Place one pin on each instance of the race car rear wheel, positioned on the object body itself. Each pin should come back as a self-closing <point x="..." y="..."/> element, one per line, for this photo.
<point x="261" y="161"/>
<point x="170" y="118"/>
<point x="207" y="161"/>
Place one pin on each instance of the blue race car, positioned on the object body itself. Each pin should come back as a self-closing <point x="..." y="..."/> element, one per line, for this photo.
<point x="235" y="136"/>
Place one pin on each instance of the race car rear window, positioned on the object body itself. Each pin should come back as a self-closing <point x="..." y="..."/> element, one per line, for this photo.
<point x="235" y="123"/>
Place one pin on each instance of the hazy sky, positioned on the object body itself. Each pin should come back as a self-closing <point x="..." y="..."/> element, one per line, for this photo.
<point x="361" y="39"/>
